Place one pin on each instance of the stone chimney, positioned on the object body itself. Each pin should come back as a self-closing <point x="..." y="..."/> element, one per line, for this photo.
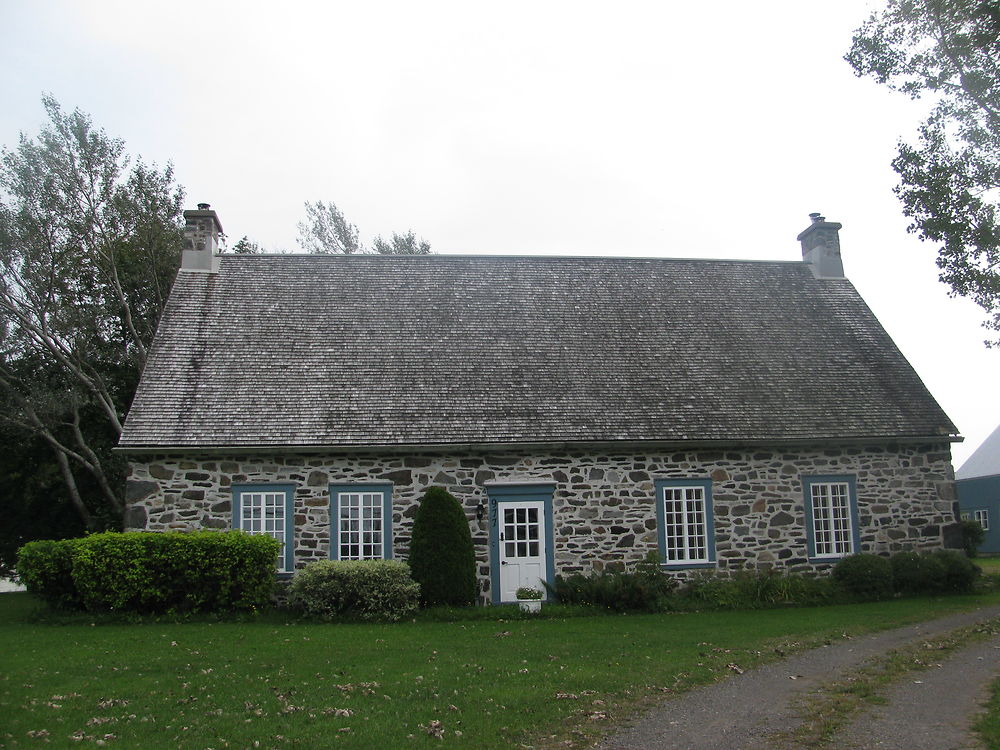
<point x="201" y="240"/>
<point x="821" y="247"/>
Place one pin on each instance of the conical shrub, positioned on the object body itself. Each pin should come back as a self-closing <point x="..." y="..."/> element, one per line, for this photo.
<point x="442" y="558"/>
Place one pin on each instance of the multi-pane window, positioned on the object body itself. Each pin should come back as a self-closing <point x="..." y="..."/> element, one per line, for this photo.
<point x="361" y="526"/>
<point x="521" y="532"/>
<point x="831" y="516"/>
<point x="265" y="510"/>
<point x="983" y="516"/>
<point x="361" y="521"/>
<point x="685" y="518"/>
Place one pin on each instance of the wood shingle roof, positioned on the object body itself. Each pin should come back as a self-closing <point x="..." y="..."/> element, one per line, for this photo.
<point x="308" y="350"/>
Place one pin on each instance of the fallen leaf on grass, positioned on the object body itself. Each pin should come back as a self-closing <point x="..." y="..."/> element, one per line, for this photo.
<point x="338" y="712"/>
<point x="434" y="728"/>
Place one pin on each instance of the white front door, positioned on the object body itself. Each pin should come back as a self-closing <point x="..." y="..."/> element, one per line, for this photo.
<point x="521" y="547"/>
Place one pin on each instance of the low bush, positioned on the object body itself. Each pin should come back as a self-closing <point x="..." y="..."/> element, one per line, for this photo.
<point x="960" y="572"/>
<point x="914" y="573"/>
<point x="370" y="590"/>
<point x="941" y="572"/>
<point x="752" y="590"/>
<point x="865" y="575"/>
<point x="646" y="589"/>
<point x="152" y="572"/>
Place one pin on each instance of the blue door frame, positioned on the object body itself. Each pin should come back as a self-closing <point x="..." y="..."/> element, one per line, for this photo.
<point x="498" y="494"/>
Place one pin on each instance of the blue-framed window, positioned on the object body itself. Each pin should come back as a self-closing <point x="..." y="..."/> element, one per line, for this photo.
<point x="831" y="503"/>
<point x="360" y="521"/>
<point x="983" y="517"/>
<point x="685" y="522"/>
<point x="268" y="509"/>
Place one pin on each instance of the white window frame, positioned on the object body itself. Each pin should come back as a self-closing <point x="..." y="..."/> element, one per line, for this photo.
<point x="352" y="508"/>
<point x="686" y="524"/>
<point x="251" y="506"/>
<point x="832" y="515"/>
<point x="983" y="517"/>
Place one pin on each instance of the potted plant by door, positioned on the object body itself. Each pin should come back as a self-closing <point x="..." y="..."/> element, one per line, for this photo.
<point x="529" y="599"/>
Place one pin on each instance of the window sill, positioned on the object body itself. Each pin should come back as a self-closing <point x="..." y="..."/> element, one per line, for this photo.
<point x="687" y="566"/>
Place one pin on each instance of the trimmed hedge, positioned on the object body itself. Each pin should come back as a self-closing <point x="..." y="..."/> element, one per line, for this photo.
<point x="45" y="567"/>
<point x="355" y="589"/>
<point x="442" y="558"/>
<point x="152" y="572"/>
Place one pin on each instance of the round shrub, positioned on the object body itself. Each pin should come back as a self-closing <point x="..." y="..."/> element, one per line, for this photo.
<point x="914" y="573"/>
<point x="865" y="575"/>
<point x="373" y="590"/>
<point x="959" y="571"/>
<point x="442" y="558"/>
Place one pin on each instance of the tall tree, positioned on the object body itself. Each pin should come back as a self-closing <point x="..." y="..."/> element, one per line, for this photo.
<point x="326" y="231"/>
<point x="89" y="245"/>
<point x="402" y="244"/>
<point x="948" y="51"/>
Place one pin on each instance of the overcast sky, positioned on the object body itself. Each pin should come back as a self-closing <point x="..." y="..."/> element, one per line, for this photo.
<point x="660" y="129"/>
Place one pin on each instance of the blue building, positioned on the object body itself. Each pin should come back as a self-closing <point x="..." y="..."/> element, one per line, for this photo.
<point x="978" y="487"/>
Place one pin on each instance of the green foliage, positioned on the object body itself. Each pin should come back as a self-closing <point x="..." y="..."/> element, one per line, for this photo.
<point x="865" y="575"/>
<point x="247" y="246"/>
<point x="939" y="572"/>
<point x="373" y="590"/>
<point x="960" y="573"/>
<point x="325" y="231"/>
<point x="442" y="557"/>
<point x="528" y="594"/>
<point x="146" y="572"/>
<point x="90" y="242"/>
<point x="914" y="573"/>
<point x="33" y="504"/>
<point x="973" y="535"/>
<point x="947" y="51"/>
<point x="402" y="244"/>
<point x="753" y="590"/>
<point x="45" y="567"/>
<point x="645" y="589"/>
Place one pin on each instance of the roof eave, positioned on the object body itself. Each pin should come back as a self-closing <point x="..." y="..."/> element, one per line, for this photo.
<point x="536" y="445"/>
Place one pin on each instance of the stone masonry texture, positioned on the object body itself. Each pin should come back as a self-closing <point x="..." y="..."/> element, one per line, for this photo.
<point x="603" y="504"/>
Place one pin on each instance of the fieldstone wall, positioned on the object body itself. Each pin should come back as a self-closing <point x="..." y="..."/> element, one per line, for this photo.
<point x="603" y="506"/>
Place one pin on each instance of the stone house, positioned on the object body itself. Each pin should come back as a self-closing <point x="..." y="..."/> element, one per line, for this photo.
<point x="727" y="414"/>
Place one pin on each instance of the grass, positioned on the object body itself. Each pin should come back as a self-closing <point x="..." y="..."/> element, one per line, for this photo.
<point x="990" y="565"/>
<point x="988" y="727"/>
<point x="275" y="683"/>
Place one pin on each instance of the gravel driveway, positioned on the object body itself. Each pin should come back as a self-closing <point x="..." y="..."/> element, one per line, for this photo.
<point x="927" y="709"/>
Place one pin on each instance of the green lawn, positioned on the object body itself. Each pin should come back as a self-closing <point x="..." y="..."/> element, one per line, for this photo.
<point x="990" y="565"/>
<point x="481" y="684"/>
